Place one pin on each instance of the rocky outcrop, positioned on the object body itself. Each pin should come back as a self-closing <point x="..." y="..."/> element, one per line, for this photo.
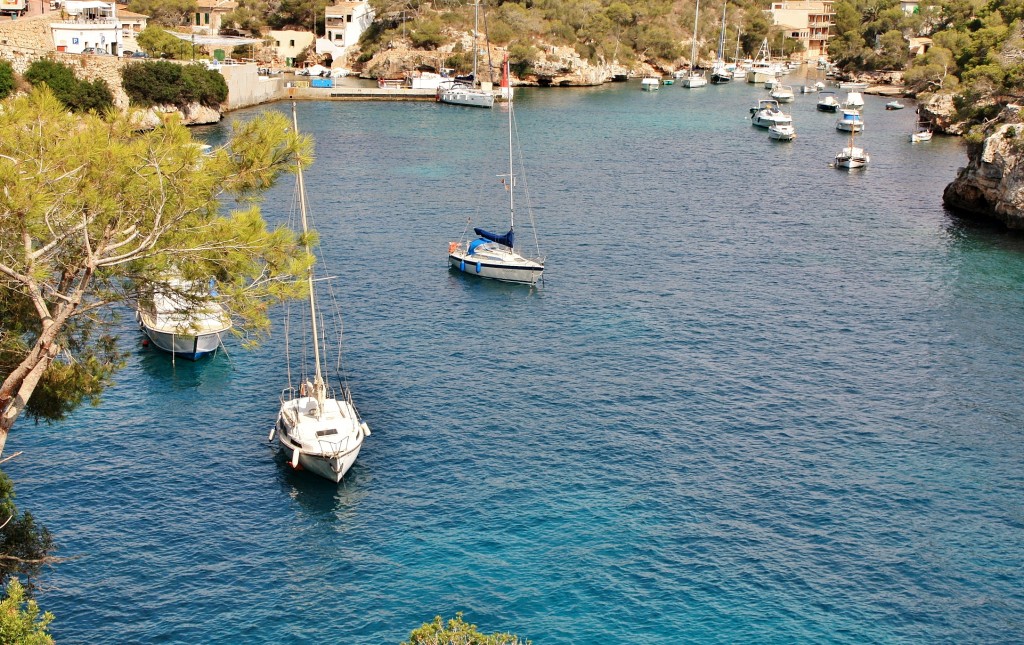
<point x="940" y="112"/>
<point x="191" y="114"/>
<point x="992" y="184"/>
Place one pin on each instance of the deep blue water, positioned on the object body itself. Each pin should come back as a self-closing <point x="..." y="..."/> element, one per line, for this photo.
<point x="756" y="399"/>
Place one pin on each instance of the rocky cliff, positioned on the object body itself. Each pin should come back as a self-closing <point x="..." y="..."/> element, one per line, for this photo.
<point x="992" y="184"/>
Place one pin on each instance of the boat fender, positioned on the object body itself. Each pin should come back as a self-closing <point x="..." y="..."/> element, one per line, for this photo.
<point x="462" y="265"/>
<point x="478" y="267"/>
<point x="452" y="246"/>
<point x="295" y="458"/>
<point x="273" y="429"/>
<point x="366" y="429"/>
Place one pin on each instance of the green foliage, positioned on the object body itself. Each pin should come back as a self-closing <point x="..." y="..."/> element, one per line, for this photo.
<point x="25" y="544"/>
<point x="458" y="632"/>
<point x="169" y="13"/>
<point x="104" y="214"/>
<point x="20" y="621"/>
<point x="161" y="82"/>
<point x="425" y="33"/>
<point x="298" y="14"/>
<point x="77" y="95"/>
<point x="159" y="44"/>
<point x="6" y="79"/>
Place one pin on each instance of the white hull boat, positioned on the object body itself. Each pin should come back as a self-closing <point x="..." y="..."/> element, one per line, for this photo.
<point x="465" y="95"/>
<point x="783" y="94"/>
<point x="317" y="429"/>
<point x="494" y="256"/>
<point x="767" y="113"/>
<point x="190" y="332"/>
<point x="650" y="84"/>
<point x="852" y="157"/>
<point x="854" y="100"/>
<point x="827" y="102"/>
<point x="921" y="137"/>
<point x="694" y="81"/>
<point x="782" y="132"/>
<point x="849" y="121"/>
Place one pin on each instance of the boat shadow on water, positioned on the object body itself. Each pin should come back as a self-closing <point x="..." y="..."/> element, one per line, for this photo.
<point x="470" y="283"/>
<point x="182" y="374"/>
<point x="319" y="497"/>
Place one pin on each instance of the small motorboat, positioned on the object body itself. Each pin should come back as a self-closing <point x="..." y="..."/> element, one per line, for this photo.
<point x="894" y="105"/>
<point x="782" y="132"/>
<point x="827" y="102"/>
<point x="650" y="84"/>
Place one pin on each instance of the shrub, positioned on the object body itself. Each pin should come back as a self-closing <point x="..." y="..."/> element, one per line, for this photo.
<point x="77" y="95"/>
<point x="20" y="621"/>
<point x="6" y="79"/>
<point x="162" y="82"/>
<point x="458" y="631"/>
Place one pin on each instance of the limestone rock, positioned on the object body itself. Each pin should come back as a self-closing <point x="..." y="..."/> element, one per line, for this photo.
<point x="191" y="114"/>
<point x="939" y="111"/>
<point x="992" y="184"/>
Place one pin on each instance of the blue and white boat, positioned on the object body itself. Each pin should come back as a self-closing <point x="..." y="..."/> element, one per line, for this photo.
<point x="494" y="255"/>
<point x="184" y="319"/>
<point x="850" y="121"/>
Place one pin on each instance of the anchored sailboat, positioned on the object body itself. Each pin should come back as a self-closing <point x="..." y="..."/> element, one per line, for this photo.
<point x="694" y="79"/>
<point x="493" y="255"/>
<point x="317" y="427"/>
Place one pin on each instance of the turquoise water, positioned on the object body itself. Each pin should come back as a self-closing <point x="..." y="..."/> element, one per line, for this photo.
<point x="756" y="399"/>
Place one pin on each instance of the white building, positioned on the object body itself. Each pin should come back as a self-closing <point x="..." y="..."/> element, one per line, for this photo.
<point x="132" y="25"/>
<point x="345" y="22"/>
<point x="91" y="25"/>
<point x="289" y="44"/>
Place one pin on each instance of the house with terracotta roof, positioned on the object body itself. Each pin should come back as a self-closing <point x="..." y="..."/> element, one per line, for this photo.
<point x="132" y="25"/>
<point x="209" y="14"/>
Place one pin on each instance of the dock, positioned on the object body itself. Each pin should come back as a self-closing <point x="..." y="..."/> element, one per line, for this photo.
<point x="301" y="91"/>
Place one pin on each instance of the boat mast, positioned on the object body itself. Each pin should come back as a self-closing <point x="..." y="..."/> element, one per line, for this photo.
<point x="511" y="177"/>
<point x="721" y="39"/>
<point x="693" y="47"/>
<point x="319" y="380"/>
<point x="476" y="36"/>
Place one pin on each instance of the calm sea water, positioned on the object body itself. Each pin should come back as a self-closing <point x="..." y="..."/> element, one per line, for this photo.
<point x="756" y="399"/>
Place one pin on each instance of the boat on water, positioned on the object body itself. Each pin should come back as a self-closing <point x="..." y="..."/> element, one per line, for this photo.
<point x="465" y="91"/>
<point x="768" y="113"/>
<point x="921" y="133"/>
<point x="827" y="102"/>
<point x="650" y="84"/>
<point x="693" y="79"/>
<point x="894" y="105"/>
<point x="854" y="100"/>
<point x="783" y="94"/>
<point x="850" y="121"/>
<point x="183" y="318"/>
<point x="720" y="71"/>
<point x="494" y="255"/>
<point x="317" y="427"/>
<point x="763" y="69"/>
<point x="852" y="156"/>
<point x="853" y="85"/>
<point x="781" y="132"/>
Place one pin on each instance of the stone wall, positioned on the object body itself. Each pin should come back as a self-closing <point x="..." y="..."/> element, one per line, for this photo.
<point x="246" y="87"/>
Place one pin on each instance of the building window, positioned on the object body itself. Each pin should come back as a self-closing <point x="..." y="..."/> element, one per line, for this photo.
<point x="206" y="18"/>
<point x="198" y="17"/>
<point x="291" y="43"/>
<point x="348" y="18"/>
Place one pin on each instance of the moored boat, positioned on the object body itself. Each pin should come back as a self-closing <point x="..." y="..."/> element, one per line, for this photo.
<point x="183" y="318"/>
<point x="850" y="121"/>
<point x="894" y="105"/>
<point x="767" y="113"/>
<point x="782" y="132"/>
<point x="827" y="102"/>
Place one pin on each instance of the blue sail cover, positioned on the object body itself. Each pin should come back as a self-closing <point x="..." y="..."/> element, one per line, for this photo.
<point x="508" y="239"/>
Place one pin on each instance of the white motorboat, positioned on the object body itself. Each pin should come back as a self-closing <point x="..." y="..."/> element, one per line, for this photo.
<point x="767" y="113"/>
<point x="183" y="318"/>
<point x="922" y="133"/>
<point x="827" y="102"/>
<point x="854" y="100"/>
<point x="494" y="255"/>
<point x="782" y="132"/>
<point x="317" y="426"/>
<point x="852" y="157"/>
<point x="763" y="69"/>
<point x="693" y="79"/>
<point x="849" y="121"/>
<point x="853" y="85"/>
<point x="783" y="94"/>
<point x="650" y="84"/>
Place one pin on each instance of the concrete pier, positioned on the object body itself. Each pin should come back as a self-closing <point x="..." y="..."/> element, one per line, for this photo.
<point x="300" y="93"/>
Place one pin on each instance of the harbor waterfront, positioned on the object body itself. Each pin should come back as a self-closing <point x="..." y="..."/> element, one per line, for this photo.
<point x="754" y="399"/>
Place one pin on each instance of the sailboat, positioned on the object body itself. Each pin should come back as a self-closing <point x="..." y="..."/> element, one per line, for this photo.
<point x="852" y="157"/>
<point x="921" y="133"/>
<point x="720" y="72"/>
<point x="763" y="69"/>
<point x="317" y="427"/>
<point x="458" y="92"/>
<point x="493" y="255"/>
<point x="694" y="79"/>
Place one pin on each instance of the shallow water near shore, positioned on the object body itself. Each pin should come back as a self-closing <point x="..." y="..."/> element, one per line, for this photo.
<point x="756" y="399"/>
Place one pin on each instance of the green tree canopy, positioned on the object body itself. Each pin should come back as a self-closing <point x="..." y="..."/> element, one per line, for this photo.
<point x="6" y="79"/>
<point x="20" y="621"/>
<point x="169" y="13"/>
<point x="78" y="95"/>
<point x="156" y="42"/>
<point x="162" y="82"/>
<point x="458" y="632"/>
<point x="93" y="214"/>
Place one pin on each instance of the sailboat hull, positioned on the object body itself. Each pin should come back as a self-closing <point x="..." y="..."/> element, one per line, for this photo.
<point x="327" y="445"/>
<point x="506" y="266"/>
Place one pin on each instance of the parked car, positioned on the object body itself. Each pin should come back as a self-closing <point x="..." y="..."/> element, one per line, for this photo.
<point x="140" y="55"/>
<point x="89" y="50"/>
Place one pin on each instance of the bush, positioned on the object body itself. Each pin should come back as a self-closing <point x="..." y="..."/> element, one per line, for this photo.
<point x="458" y="631"/>
<point x="77" y="95"/>
<point x="20" y="621"/>
<point x="6" y="79"/>
<point x="162" y="82"/>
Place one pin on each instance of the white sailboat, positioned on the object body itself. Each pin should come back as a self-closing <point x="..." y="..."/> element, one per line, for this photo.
<point x="317" y="427"/>
<point x="852" y="157"/>
<point x="720" y="72"/>
<point x="459" y="93"/>
<point x="493" y="255"/>
<point x="693" y="79"/>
